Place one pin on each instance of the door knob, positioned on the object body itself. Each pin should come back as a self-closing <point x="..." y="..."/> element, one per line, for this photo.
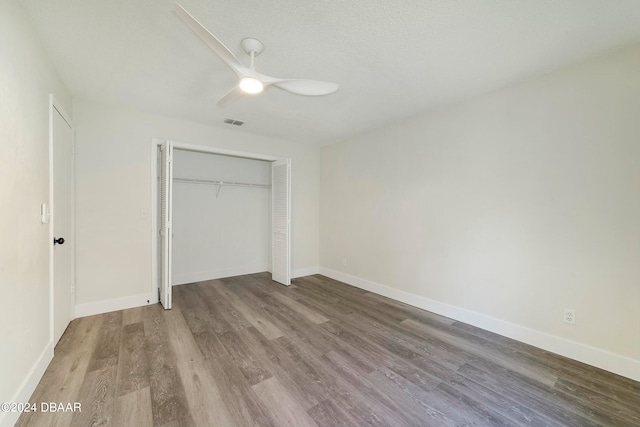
<point x="59" y="240"/>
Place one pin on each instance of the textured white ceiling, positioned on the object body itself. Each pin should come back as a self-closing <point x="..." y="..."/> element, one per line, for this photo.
<point x="392" y="58"/>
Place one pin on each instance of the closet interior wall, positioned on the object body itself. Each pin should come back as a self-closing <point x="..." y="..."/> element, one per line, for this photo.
<point x="220" y="231"/>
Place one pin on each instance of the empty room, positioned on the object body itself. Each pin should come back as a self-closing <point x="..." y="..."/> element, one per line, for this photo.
<point x="319" y="213"/>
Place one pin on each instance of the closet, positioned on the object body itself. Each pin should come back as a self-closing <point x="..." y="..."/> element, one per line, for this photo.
<point x="220" y="214"/>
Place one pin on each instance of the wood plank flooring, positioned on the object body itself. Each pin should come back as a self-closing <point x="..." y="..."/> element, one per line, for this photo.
<point x="245" y="351"/>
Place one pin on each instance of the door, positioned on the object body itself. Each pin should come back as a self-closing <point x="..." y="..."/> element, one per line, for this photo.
<point x="281" y="221"/>
<point x="62" y="146"/>
<point x="166" y="191"/>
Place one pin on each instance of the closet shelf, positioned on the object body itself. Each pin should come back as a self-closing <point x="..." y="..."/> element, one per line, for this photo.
<point x="220" y="183"/>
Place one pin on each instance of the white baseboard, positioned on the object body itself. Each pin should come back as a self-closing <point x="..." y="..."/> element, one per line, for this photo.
<point x="308" y="271"/>
<point x="599" y="358"/>
<point x="106" y="306"/>
<point x="201" y="276"/>
<point x="29" y="384"/>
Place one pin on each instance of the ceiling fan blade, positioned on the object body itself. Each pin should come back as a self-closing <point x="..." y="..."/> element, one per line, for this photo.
<point x="305" y="87"/>
<point x="211" y="41"/>
<point x="229" y="97"/>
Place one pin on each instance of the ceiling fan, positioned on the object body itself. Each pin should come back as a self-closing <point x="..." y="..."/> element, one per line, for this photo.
<point x="251" y="82"/>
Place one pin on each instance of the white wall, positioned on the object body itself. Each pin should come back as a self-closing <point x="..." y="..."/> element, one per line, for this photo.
<point x="26" y="80"/>
<point x="513" y="205"/>
<point x="224" y="235"/>
<point x="113" y="193"/>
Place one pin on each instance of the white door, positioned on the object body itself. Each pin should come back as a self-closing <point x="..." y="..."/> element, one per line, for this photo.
<point x="166" y="191"/>
<point x="61" y="214"/>
<point x="281" y="221"/>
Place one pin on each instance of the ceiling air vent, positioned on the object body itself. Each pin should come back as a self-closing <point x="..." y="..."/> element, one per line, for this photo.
<point x="234" y="122"/>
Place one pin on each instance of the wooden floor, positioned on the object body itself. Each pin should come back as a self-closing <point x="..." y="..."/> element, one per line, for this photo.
<point x="245" y="351"/>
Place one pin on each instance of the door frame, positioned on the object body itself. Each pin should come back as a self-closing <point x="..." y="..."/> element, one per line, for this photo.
<point x="155" y="143"/>
<point x="56" y="106"/>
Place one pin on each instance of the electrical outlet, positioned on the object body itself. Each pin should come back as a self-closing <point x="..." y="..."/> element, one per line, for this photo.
<point x="570" y="316"/>
<point x="344" y="262"/>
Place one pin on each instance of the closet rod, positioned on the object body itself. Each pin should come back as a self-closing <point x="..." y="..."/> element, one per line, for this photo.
<point x="208" y="182"/>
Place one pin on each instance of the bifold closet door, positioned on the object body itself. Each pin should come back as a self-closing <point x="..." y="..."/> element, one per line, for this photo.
<point x="166" y="191"/>
<point x="281" y="221"/>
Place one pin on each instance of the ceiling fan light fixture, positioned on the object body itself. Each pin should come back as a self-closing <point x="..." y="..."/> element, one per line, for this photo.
<point x="251" y="86"/>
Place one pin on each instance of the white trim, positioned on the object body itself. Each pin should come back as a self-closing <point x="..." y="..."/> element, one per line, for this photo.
<point x="308" y="271"/>
<point x="106" y="306"/>
<point x="51" y="214"/>
<point x="28" y="385"/>
<point x="201" y="276"/>
<point x="155" y="285"/>
<point x="222" y="151"/>
<point x="599" y="358"/>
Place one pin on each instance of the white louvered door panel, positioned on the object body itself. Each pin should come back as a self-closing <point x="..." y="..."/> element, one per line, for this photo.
<point x="166" y="187"/>
<point x="281" y="221"/>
